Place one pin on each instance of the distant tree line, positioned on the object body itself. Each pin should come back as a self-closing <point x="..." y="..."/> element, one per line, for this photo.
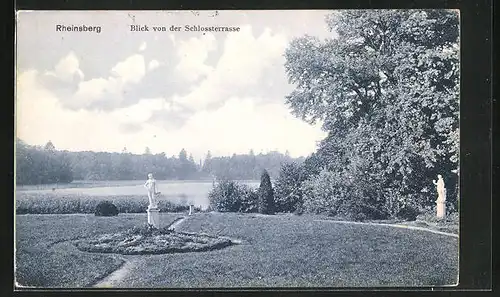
<point x="46" y="165"/>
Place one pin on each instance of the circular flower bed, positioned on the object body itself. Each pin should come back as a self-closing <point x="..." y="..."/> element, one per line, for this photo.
<point x="147" y="240"/>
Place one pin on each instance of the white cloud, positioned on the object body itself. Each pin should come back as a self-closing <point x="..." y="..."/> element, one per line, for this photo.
<point x="171" y="37"/>
<point x="232" y="124"/>
<point x="153" y="64"/>
<point x="245" y="57"/>
<point x="40" y="117"/>
<point x="243" y="62"/>
<point x="94" y="90"/>
<point x="240" y="125"/>
<point x="108" y="91"/>
<point x="235" y="127"/>
<point x="67" y="68"/>
<point x="131" y="69"/>
<point x="139" y="112"/>
<point x="193" y="53"/>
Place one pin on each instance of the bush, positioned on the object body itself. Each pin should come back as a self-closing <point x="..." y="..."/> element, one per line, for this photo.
<point x="106" y="209"/>
<point x="287" y="188"/>
<point x="249" y="200"/>
<point x="54" y="204"/>
<point x="430" y="217"/>
<point x="230" y="196"/>
<point x="266" y="194"/>
<point x="332" y="194"/>
<point x="408" y="213"/>
<point x="299" y="210"/>
<point x="324" y="193"/>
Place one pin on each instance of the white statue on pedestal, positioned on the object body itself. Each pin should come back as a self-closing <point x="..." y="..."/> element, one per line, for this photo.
<point x="441" y="200"/>
<point x="150" y="185"/>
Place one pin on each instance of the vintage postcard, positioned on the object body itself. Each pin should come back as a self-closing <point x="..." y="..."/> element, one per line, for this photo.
<point x="237" y="149"/>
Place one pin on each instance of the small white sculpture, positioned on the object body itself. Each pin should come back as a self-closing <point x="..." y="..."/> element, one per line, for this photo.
<point x="441" y="200"/>
<point x="150" y="185"/>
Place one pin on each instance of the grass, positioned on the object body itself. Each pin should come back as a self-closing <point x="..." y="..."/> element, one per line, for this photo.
<point x="42" y="262"/>
<point x="450" y="224"/>
<point x="288" y="251"/>
<point x="275" y="251"/>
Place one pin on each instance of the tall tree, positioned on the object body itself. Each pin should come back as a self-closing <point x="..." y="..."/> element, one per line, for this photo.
<point x="207" y="164"/>
<point x="183" y="155"/>
<point x="49" y="146"/>
<point x="387" y="91"/>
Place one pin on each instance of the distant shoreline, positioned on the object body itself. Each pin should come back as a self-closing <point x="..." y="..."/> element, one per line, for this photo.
<point x="109" y="183"/>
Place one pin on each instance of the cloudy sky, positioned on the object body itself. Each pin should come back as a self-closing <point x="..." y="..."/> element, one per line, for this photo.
<point x="217" y="91"/>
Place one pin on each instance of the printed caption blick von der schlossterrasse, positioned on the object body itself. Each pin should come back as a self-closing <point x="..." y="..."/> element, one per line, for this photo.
<point x="185" y="28"/>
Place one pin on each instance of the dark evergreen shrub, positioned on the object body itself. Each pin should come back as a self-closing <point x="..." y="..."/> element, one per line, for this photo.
<point x="266" y="195"/>
<point x="106" y="209"/>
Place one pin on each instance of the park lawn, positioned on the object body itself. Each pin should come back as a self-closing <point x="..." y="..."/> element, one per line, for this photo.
<point x="299" y="251"/>
<point x="43" y="260"/>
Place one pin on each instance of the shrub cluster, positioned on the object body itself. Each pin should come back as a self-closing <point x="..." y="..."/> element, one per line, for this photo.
<point x="288" y="194"/>
<point x="54" y="204"/>
<point x="231" y="196"/>
<point x="430" y="216"/>
<point x="332" y="194"/>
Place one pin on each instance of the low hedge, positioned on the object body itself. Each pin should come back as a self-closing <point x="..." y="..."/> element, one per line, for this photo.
<point x="27" y="203"/>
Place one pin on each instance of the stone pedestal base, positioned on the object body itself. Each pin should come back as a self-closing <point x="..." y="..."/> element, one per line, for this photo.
<point x="440" y="209"/>
<point x="154" y="217"/>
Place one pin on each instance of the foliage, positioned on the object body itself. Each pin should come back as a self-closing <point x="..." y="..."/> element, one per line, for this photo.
<point x="41" y="165"/>
<point x="387" y="93"/>
<point x="106" y="209"/>
<point x="55" y="204"/>
<point x="151" y="241"/>
<point x="246" y="166"/>
<point x="332" y="194"/>
<point x="230" y="196"/>
<point x="430" y="217"/>
<point x="249" y="200"/>
<point x="266" y="194"/>
<point x="287" y="188"/>
<point x="36" y="165"/>
<point x="408" y="213"/>
<point x="324" y="193"/>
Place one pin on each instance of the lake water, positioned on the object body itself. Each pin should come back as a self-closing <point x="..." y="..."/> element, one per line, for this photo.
<point x="195" y="192"/>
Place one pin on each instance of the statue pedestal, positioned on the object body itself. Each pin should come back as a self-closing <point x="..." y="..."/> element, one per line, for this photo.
<point x="154" y="217"/>
<point x="440" y="209"/>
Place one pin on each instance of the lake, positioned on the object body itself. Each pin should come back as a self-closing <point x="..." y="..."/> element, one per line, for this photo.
<point x="195" y="192"/>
